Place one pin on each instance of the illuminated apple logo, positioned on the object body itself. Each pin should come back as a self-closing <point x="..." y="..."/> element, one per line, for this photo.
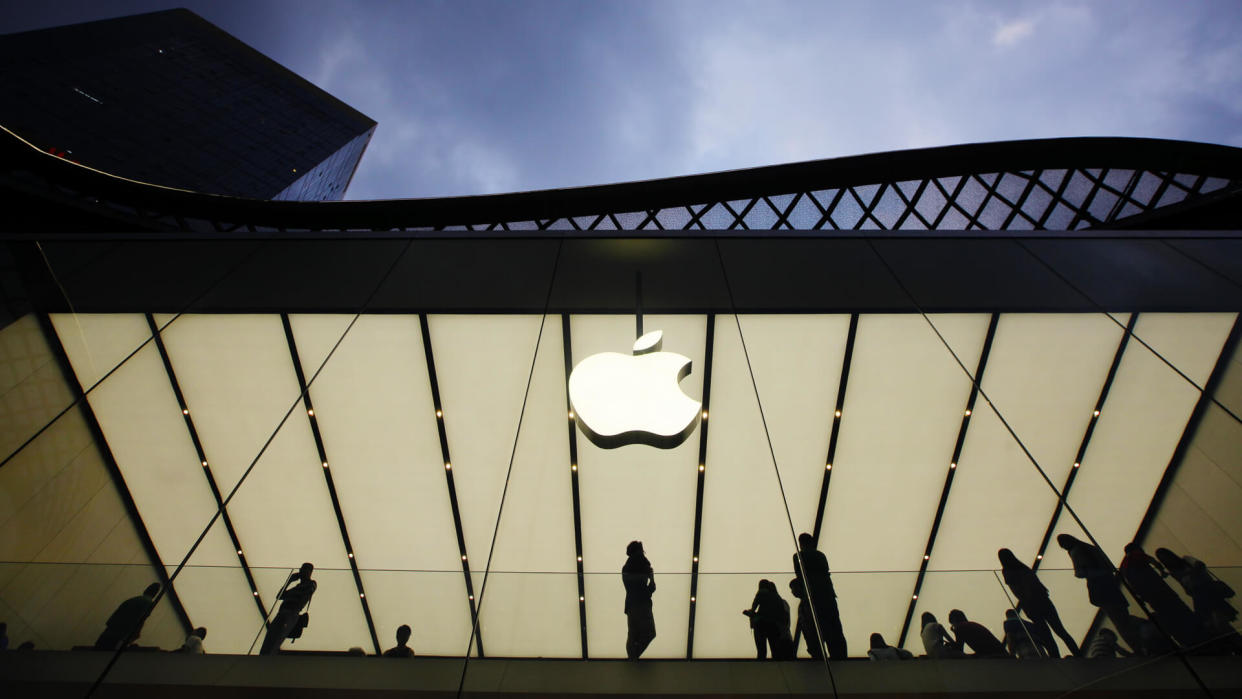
<point x="622" y="399"/>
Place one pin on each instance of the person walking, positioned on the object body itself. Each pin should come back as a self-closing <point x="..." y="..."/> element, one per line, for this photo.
<point x="1034" y="600"/>
<point x="288" y="617"/>
<point x="769" y="621"/>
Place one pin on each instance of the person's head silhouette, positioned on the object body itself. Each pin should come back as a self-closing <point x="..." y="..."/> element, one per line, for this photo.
<point x="634" y="548"/>
<point x="1066" y="541"/>
<point x="403" y="634"/>
<point x="1133" y="547"/>
<point x="1011" y="614"/>
<point x="928" y="618"/>
<point x="806" y="542"/>
<point x="1007" y="559"/>
<point x="796" y="589"/>
<point x="956" y="617"/>
<point x="201" y="632"/>
<point x="877" y="641"/>
<point x="304" y="573"/>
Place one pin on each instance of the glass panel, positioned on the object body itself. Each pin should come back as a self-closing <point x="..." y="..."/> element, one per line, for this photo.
<point x="903" y="408"/>
<point x="218" y="598"/>
<point x="638" y="493"/>
<point x="97" y="342"/>
<point x="432" y="603"/>
<point x="529" y="614"/>
<point x="797" y="365"/>
<point x="32" y="388"/>
<point x="1044" y="373"/>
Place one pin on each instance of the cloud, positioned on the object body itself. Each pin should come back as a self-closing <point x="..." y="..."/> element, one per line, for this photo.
<point x="1010" y="33"/>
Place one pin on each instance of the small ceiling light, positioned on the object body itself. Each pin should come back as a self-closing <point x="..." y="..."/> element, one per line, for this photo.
<point x="953" y="465"/>
<point x="579" y="559"/>
<point x="239" y="552"/>
<point x="362" y="594"/>
<point x="471" y="597"/>
<point x="573" y="467"/>
<point x="439" y="414"/>
<point x="828" y="467"/>
<point x="1040" y="557"/>
<point x="185" y="411"/>
<point x="700" y="468"/>
<point x="967" y="412"/>
<point x="204" y="464"/>
<point x="256" y="593"/>
<point x="463" y="557"/>
<point x="351" y="554"/>
<point x="581" y="598"/>
<point x="696" y="559"/>
<point x="704" y="414"/>
<point x="1095" y="413"/>
<point x="837" y="414"/>
<point x="325" y="464"/>
<point x="448" y="466"/>
<point x="311" y="412"/>
<point x="571" y="414"/>
<point x="926" y="557"/>
<point x="1077" y="464"/>
<point x="914" y="596"/>
<point x="691" y="599"/>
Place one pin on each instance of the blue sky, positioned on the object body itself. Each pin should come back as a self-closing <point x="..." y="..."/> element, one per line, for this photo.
<point x="481" y="97"/>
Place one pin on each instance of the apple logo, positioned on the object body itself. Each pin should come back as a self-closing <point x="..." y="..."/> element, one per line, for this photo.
<point x="622" y="399"/>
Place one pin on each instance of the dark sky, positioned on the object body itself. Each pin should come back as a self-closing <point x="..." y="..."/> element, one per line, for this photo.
<point x="480" y="97"/>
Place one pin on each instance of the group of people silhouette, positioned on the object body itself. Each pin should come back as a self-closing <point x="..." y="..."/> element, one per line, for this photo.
<point x="1169" y="623"/>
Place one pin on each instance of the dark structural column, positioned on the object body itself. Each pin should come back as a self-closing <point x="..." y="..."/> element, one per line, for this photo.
<point x="327" y="476"/>
<point x="948" y="479"/>
<point x="836" y="424"/>
<point x="698" y="494"/>
<point x="105" y="453"/>
<point x="202" y="458"/>
<point x="1086" y="439"/>
<point x="573" y="481"/>
<point x="448" y="476"/>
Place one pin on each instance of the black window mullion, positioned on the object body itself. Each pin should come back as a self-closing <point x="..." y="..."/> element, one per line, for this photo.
<point x="327" y="476"/>
<point x="836" y="424"/>
<point x="573" y="481"/>
<point x="910" y="208"/>
<point x="709" y="342"/>
<point x="948" y="479"/>
<point x="1082" y="212"/>
<point x="1017" y="209"/>
<point x="448" y="476"/>
<point x="202" y="457"/>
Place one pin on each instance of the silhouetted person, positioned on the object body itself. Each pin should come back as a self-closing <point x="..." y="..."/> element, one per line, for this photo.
<point x="975" y="636"/>
<point x="194" y="642"/>
<point x="125" y="624"/>
<point x="1144" y="576"/>
<point x="882" y="651"/>
<point x="639" y="581"/>
<point x="1023" y="640"/>
<point x="769" y="620"/>
<point x="806" y="625"/>
<point x="811" y="567"/>
<point x="1208" y="595"/>
<point x="293" y="601"/>
<point x="1033" y="598"/>
<point x="1104" y="645"/>
<point x="1103" y="586"/>
<point x="937" y="642"/>
<point x="402" y="649"/>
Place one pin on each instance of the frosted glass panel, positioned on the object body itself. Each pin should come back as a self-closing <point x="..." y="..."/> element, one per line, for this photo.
<point x="97" y="342"/>
<point x="530" y="615"/>
<point x="219" y="598"/>
<point x="902" y="412"/>
<point x="32" y="388"/>
<point x="1139" y="427"/>
<point x="433" y="604"/>
<point x="797" y="365"/>
<point x="1044" y="373"/>
<point x="639" y="493"/>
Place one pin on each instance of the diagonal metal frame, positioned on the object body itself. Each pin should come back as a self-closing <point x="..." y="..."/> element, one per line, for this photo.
<point x="709" y="343"/>
<point x="846" y="362"/>
<point x="573" y="482"/>
<point x="448" y="476"/>
<point x="114" y="471"/>
<point x="1080" y="456"/>
<point x="327" y="476"/>
<point x="948" y="479"/>
<point x="202" y="457"/>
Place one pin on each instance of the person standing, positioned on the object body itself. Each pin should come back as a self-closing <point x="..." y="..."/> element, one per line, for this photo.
<point x="1103" y="586"/>
<point x="769" y="620"/>
<point x="125" y="624"/>
<point x="293" y="601"/>
<point x="402" y="649"/>
<point x="1208" y="595"/>
<point x="811" y="568"/>
<point x="1144" y="575"/>
<point x="1033" y="599"/>
<point x="639" y="581"/>
<point x="806" y="625"/>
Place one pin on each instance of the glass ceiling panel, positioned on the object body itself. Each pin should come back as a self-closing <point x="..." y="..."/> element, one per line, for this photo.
<point x="1044" y="373"/>
<point x="97" y="342"/>
<point x="482" y="366"/>
<point x="1141" y="425"/>
<point x="237" y="377"/>
<point x="219" y="598"/>
<point x="903" y="408"/>
<point x="639" y="493"/>
<point x="797" y="364"/>
<point x="434" y="605"/>
<point x="32" y="390"/>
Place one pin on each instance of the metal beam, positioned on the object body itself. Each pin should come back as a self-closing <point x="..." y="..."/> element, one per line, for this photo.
<point x="573" y="482"/>
<point x="1086" y="439"/>
<point x="327" y="477"/>
<point x="448" y="476"/>
<point x="948" y="479"/>
<point x="202" y="457"/>
<point x="118" y="480"/>
<point x="709" y="342"/>
<point x="836" y="424"/>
